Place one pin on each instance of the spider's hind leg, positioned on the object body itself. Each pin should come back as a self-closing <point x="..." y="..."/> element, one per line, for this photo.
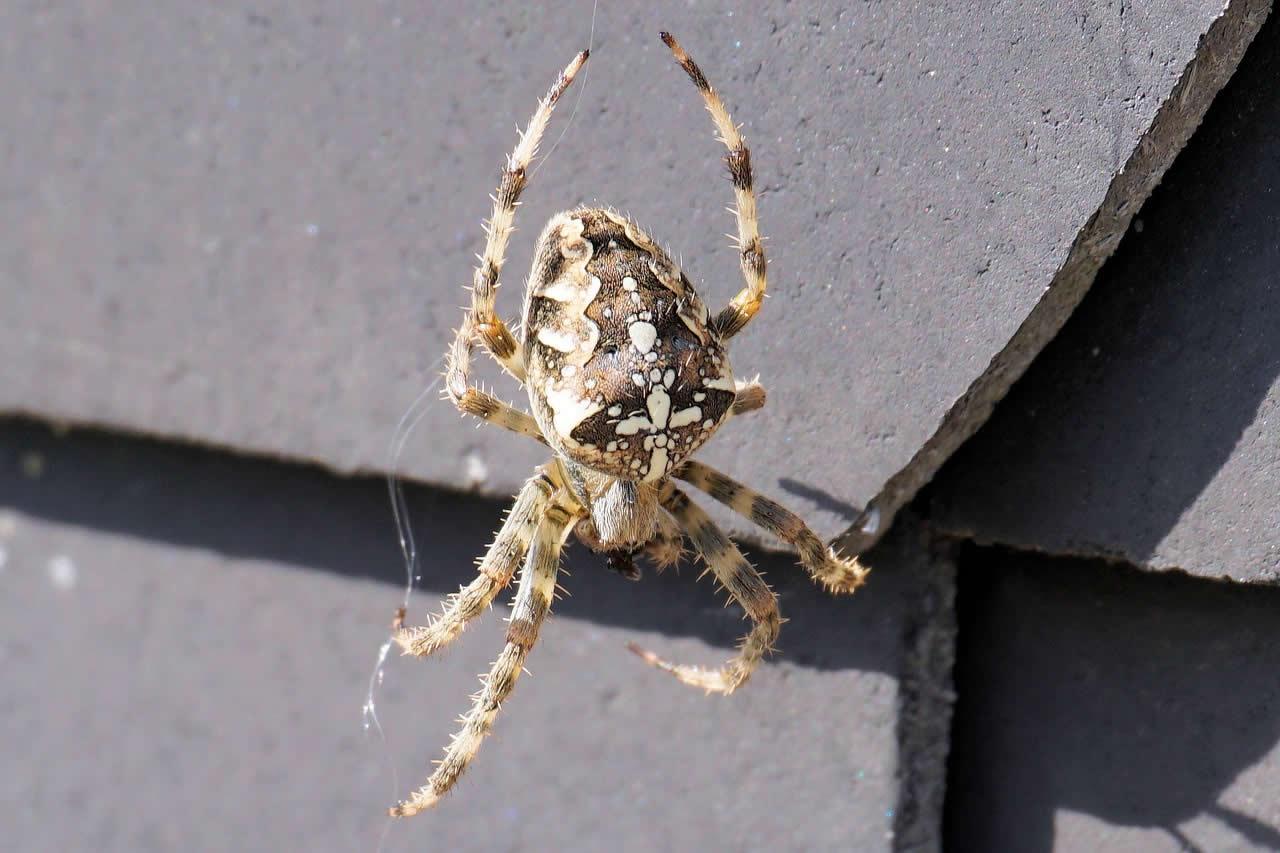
<point x="533" y="601"/>
<point x="496" y="569"/>
<point x="838" y="574"/>
<point x="744" y="584"/>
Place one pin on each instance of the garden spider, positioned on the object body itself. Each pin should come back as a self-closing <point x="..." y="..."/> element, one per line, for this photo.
<point x="627" y="376"/>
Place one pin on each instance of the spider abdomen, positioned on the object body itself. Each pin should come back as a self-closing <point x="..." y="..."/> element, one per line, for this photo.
<point x="626" y="374"/>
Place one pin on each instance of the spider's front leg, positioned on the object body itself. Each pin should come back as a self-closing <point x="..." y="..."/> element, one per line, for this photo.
<point x="744" y="306"/>
<point x="838" y="574"/>
<point x="744" y="584"/>
<point x="496" y="569"/>
<point x="482" y="322"/>
<point x="533" y="601"/>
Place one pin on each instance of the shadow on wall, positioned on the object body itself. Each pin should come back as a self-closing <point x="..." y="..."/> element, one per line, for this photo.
<point x="304" y="517"/>
<point x="1135" y="698"/>
<point x="1126" y="418"/>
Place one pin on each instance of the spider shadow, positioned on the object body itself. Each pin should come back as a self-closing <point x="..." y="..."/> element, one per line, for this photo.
<point x="302" y="516"/>
<point x="821" y="498"/>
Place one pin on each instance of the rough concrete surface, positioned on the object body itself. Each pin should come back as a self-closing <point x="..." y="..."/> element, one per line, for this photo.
<point x="251" y="226"/>
<point x="187" y="638"/>
<point x="1104" y="708"/>
<point x="1148" y="430"/>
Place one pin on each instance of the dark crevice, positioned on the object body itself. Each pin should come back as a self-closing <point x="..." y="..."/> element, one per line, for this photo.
<point x="1132" y="697"/>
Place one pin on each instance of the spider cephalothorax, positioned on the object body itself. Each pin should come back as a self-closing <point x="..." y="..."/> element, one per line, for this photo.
<point x="627" y="374"/>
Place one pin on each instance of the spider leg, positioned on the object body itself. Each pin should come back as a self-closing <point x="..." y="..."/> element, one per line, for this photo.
<point x="496" y="569"/>
<point x="750" y="396"/>
<point x="487" y="407"/>
<point x="744" y="584"/>
<point x="744" y="306"/>
<point x="533" y="600"/>
<point x="838" y="574"/>
<point x="482" y="321"/>
<point x="667" y="545"/>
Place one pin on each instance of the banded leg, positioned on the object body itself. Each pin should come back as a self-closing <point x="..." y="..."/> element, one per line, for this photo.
<point x="744" y="584"/>
<point x="537" y="586"/>
<point x="489" y="408"/>
<point x="482" y="321"/>
<point x="838" y="574"/>
<point x="744" y="306"/>
<point x="496" y="569"/>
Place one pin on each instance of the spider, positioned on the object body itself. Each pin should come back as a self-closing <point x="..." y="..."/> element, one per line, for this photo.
<point x="627" y="375"/>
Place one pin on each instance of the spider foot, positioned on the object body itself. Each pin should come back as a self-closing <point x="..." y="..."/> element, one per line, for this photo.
<point x="422" y="640"/>
<point x="420" y="801"/>
<point x="841" y="575"/>
<point x="723" y="681"/>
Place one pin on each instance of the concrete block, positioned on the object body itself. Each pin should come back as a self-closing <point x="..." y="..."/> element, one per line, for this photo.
<point x="1102" y="708"/>
<point x="187" y="639"/>
<point x="252" y="228"/>
<point x="1147" y="430"/>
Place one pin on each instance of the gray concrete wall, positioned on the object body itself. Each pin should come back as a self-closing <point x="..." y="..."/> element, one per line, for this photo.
<point x="1147" y="431"/>
<point x="252" y="228"/>
<point x="1102" y="705"/>
<point x="249" y="229"/>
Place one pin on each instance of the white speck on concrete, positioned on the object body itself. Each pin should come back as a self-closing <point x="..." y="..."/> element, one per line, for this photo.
<point x="63" y="573"/>
<point x="477" y="473"/>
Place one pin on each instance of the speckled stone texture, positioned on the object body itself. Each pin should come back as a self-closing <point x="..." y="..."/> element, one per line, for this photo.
<point x="251" y="227"/>
<point x="1149" y="431"/>
<point x="187" y="639"/>
<point x="1106" y="709"/>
